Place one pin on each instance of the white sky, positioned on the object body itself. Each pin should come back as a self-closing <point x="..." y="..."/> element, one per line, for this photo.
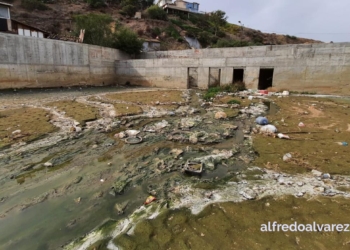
<point x="324" y="20"/>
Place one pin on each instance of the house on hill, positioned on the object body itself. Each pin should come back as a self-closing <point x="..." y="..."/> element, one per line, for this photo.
<point x="12" y="26"/>
<point x="179" y="6"/>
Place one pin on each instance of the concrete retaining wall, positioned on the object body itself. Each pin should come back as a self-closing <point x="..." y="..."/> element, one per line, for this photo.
<point x="27" y="62"/>
<point x="313" y="67"/>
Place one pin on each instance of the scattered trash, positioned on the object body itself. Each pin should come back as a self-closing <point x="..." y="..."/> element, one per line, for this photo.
<point x="48" y="164"/>
<point x="301" y="124"/>
<point x="282" y="136"/>
<point x="264" y="92"/>
<point x="121" y="135"/>
<point x="132" y="132"/>
<point x="342" y="143"/>
<point x="250" y="97"/>
<point x="326" y="176"/>
<point x="150" y="199"/>
<point x="102" y="180"/>
<point x="287" y="157"/>
<point x="261" y="120"/>
<point x="268" y="129"/>
<point x="193" y="167"/>
<point x="16" y="132"/>
<point x="133" y="140"/>
<point x="285" y="93"/>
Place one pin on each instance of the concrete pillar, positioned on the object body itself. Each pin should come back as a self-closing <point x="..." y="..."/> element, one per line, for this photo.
<point x="203" y="78"/>
<point x="251" y="77"/>
<point x="226" y="76"/>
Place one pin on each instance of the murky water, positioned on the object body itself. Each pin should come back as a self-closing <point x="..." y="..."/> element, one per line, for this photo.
<point x="44" y="208"/>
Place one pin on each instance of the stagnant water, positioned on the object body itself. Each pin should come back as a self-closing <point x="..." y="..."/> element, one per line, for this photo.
<point x="45" y="209"/>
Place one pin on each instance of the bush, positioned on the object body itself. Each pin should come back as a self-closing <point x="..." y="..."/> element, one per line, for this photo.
<point x="96" y="3"/>
<point x="155" y="32"/>
<point x="127" y="41"/>
<point x="97" y="29"/>
<point x="234" y="102"/>
<point x="129" y="10"/>
<point x="220" y="33"/>
<point x="33" y="5"/>
<point x="156" y="12"/>
<point x="172" y="32"/>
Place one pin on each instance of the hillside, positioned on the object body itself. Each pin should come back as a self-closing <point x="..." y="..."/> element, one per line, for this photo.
<point x="56" y="17"/>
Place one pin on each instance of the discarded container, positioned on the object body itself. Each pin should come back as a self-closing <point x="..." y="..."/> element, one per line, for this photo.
<point x="268" y="129"/>
<point x="250" y="97"/>
<point x="301" y="124"/>
<point x="132" y="132"/>
<point x="285" y="93"/>
<point x="192" y="167"/>
<point x="261" y="120"/>
<point x="287" y="157"/>
<point x="282" y="136"/>
<point x="150" y="199"/>
<point x="342" y="143"/>
<point x="133" y="140"/>
<point x="264" y="92"/>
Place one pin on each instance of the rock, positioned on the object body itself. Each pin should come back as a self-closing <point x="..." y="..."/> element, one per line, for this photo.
<point x="300" y="183"/>
<point x="121" y="135"/>
<point x="77" y="200"/>
<point x="120" y="208"/>
<point x="119" y="186"/>
<point x="78" y="129"/>
<point x="176" y="152"/>
<point x="94" y="146"/>
<point x="76" y="123"/>
<point x="319" y="189"/>
<point x="48" y="164"/>
<point x="300" y="194"/>
<point x="220" y="115"/>
<point x="316" y="173"/>
<point x="248" y="194"/>
<point x="77" y="180"/>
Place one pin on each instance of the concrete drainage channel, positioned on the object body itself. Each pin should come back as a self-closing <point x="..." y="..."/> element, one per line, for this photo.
<point x="184" y="152"/>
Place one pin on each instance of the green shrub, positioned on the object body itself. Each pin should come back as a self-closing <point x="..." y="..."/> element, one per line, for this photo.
<point x="156" y="12"/>
<point x="220" y="33"/>
<point x="127" y="41"/>
<point x="97" y="29"/>
<point x="172" y="32"/>
<point x="33" y="5"/>
<point x="155" y="32"/>
<point x="96" y="3"/>
<point x="129" y="10"/>
<point x="234" y="102"/>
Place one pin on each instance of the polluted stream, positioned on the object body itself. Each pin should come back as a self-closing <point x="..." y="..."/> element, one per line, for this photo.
<point x="83" y="186"/>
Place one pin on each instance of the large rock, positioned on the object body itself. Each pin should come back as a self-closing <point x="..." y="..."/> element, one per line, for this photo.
<point x="220" y="115"/>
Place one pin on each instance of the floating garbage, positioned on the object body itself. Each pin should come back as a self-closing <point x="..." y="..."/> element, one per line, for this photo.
<point x="132" y="132"/>
<point x="285" y="93"/>
<point x="261" y="120"/>
<point x="150" y="199"/>
<point x="193" y="167"/>
<point x="133" y="140"/>
<point x="268" y="129"/>
<point x="287" y="157"/>
<point x="342" y="143"/>
<point x="283" y="136"/>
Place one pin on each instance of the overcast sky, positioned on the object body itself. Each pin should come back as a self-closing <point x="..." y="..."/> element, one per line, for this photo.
<point x="324" y="20"/>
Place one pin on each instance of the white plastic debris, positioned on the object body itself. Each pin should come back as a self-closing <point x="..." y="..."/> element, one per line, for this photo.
<point x="268" y="129"/>
<point x="287" y="157"/>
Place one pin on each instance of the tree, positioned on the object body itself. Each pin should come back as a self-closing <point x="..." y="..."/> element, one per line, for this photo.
<point x="127" y="41"/>
<point x="96" y="3"/>
<point x="218" y="19"/>
<point x="156" y="12"/>
<point x="97" y="28"/>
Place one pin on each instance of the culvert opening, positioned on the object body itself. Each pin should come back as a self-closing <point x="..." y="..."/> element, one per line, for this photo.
<point x="265" y="78"/>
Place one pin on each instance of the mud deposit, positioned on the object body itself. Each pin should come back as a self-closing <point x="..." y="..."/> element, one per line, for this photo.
<point x="77" y="166"/>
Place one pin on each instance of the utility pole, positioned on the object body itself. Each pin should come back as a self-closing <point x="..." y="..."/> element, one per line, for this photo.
<point x="242" y="25"/>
